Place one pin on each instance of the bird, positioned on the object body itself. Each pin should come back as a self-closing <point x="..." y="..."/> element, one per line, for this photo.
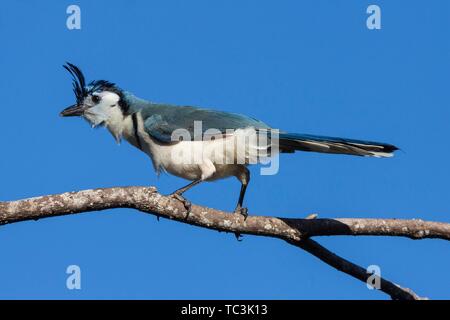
<point x="172" y="135"/>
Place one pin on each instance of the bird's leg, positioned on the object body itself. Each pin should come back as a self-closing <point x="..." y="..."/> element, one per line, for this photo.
<point x="178" y="195"/>
<point x="244" y="178"/>
<point x="239" y="208"/>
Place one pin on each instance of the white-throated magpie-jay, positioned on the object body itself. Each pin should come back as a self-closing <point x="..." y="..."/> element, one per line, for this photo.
<point x="151" y="126"/>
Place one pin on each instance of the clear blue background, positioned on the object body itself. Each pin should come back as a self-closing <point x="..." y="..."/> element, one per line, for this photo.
<point x="302" y="66"/>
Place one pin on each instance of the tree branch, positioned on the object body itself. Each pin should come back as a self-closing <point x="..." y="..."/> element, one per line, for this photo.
<point x="294" y="231"/>
<point x="393" y="290"/>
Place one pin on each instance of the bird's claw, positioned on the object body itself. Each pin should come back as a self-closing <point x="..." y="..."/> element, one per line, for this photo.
<point x="242" y="211"/>
<point x="238" y="236"/>
<point x="186" y="203"/>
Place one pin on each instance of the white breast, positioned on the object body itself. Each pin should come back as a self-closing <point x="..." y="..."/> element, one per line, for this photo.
<point x="208" y="159"/>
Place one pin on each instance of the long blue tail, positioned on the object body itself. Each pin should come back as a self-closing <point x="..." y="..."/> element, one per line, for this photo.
<point x="290" y="142"/>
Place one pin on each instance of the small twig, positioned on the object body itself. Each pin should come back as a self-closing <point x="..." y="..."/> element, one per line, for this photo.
<point x="394" y="291"/>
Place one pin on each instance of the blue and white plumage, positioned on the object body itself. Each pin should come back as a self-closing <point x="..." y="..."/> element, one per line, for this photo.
<point x="151" y="127"/>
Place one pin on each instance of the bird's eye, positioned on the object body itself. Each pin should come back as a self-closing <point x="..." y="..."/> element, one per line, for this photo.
<point x="96" y="99"/>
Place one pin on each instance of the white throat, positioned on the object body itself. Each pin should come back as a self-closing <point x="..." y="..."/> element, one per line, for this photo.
<point x="115" y="125"/>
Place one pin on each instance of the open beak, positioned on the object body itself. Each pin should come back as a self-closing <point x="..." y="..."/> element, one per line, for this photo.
<point x="73" y="111"/>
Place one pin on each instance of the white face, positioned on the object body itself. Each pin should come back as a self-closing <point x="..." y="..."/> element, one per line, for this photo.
<point x="103" y="108"/>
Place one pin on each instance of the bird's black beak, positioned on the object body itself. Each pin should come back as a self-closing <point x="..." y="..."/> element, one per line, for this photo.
<point x="73" y="111"/>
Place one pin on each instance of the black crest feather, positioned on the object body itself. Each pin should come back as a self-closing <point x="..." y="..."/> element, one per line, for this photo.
<point x="79" y="82"/>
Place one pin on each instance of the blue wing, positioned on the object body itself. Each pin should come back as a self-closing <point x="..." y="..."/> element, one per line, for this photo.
<point x="160" y="120"/>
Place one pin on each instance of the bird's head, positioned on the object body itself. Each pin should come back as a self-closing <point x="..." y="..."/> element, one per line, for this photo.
<point x="99" y="102"/>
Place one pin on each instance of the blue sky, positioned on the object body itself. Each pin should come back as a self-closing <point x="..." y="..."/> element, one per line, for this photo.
<point x="302" y="66"/>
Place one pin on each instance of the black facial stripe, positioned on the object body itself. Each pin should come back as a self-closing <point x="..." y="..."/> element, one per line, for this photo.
<point x="135" y="127"/>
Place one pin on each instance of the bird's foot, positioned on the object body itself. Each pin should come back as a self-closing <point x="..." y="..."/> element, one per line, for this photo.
<point x="242" y="211"/>
<point x="187" y="204"/>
